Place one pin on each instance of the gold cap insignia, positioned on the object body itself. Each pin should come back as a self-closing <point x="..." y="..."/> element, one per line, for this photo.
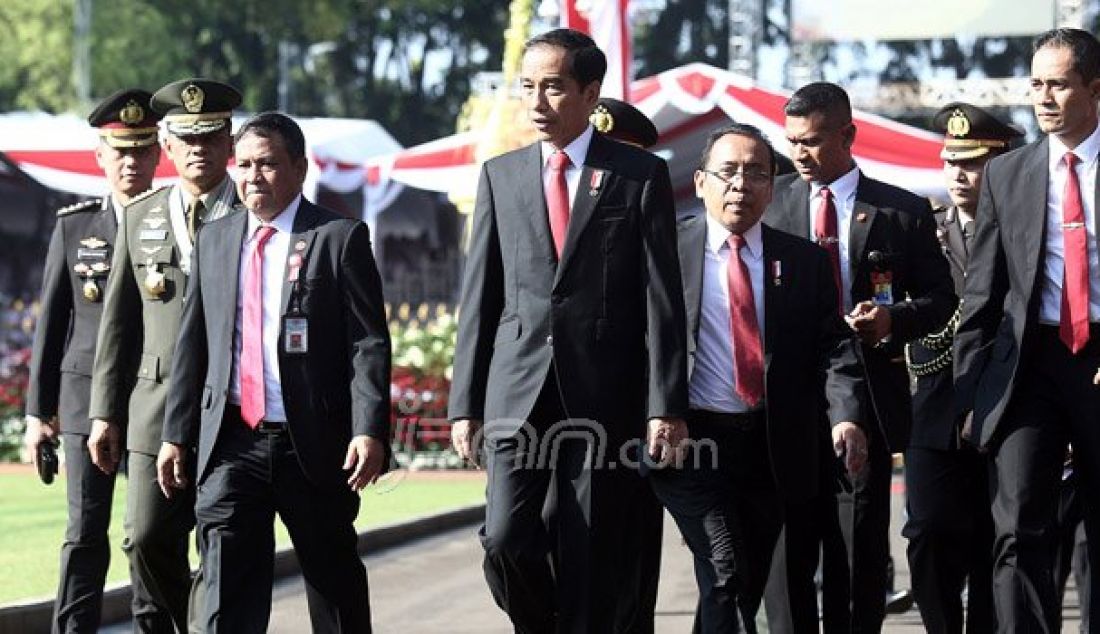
<point x="957" y="124"/>
<point x="601" y="119"/>
<point x="93" y="242"/>
<point x="132" y="114"/>
<point x="91" y="290"/>
<point x="192" y="98"/>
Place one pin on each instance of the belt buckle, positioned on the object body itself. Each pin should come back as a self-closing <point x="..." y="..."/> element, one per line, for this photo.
<point x="268" y="427"/>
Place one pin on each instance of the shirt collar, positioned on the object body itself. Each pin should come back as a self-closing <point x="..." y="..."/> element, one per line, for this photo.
<point x="1086" y="150"/>
<point x="843" y="188"/>
<point x="205" y="196"/>
<point x="577" y="149"/>
<point x="717" y="237"/>
<point x="283" y="223"/>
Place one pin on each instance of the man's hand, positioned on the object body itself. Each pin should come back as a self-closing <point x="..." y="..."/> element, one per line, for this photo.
<point x="870" y="321"/>
<point x="170" y="469"/>
<point x="667" y="440"/>
<point x="466" y="439"/>
<point x="38" y="431"/>
<point x="364" y="460"/>
<point x="850" y="443"/>
<point x="104" y="445"/>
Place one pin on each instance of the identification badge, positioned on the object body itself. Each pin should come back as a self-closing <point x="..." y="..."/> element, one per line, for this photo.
<point x="296" y="335"/>
<point x="882" y="288"/>
<point x="153" y="234"/>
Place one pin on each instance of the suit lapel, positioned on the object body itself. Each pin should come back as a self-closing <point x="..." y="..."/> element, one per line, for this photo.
<point x="301" y="242"/>
<point x="774" y="270"/>
<point x="795" y="206"/>
<point x="957" y="250"/>
<point x="584" y="202"/>
<point x="1033" y="224"/>
<point x="533" y="198"/>
<point x="229" y="245"/>
<point x="692" y="239"/>
<point x="863" y="218"/>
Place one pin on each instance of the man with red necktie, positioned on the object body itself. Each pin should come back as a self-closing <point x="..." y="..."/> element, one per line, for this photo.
<point x="894" y="286"/>
<point x="282" y="378"/>
<point x="570" y="339"/>
<point x="1027" y="350"/>
<point x="772" y="368"/>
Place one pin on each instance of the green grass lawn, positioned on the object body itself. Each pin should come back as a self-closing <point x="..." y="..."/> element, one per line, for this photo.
<point x="32" y="522"/>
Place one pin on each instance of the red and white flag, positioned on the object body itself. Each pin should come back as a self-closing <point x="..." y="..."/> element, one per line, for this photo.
<point x="606" y="22"/>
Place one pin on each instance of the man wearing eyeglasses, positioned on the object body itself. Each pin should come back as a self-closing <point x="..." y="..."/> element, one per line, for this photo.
<point x="771" y="367"/>
<point x="893" y="286"/>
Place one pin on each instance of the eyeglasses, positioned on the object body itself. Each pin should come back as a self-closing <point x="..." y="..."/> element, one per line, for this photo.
<point x="750" y="176"/>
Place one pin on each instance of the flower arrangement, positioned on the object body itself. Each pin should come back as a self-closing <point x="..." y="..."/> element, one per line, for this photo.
<point x="423" y="351"/>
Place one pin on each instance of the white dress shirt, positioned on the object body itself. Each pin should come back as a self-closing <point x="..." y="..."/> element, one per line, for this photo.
<point x="1050" y="307"/>
<point x="577" y="151"/>
<point x="844" y="199"/>
<point x="276" y="251"/>
<point x="712" y="385"/>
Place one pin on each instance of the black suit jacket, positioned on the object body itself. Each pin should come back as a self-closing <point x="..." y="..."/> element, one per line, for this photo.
<point x="65" y="335"/>
<point x="338" y="389"/>
<point x="812" y="376"/>
<point x="935" y="425"/>
<point x="899" y="225"/>
<point x="609" y="314"/>
<point x="1001" y="300"/>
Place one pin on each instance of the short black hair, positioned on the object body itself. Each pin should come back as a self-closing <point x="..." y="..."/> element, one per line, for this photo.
<point x="586" y="62"/>
<point x="821" y="97"/>
<point x="1083" y="45"/>
<point x="269" y="124"/>
<point x="739" y="129"/>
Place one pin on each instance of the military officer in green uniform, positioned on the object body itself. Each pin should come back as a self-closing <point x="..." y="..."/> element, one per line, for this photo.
<point x="950" y="526"/>
<point x="78" y="265"/>
<point x="137" y="336"/>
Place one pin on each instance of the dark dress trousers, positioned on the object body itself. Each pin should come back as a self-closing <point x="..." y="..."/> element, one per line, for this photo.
<point x="77" y="266"/>
<point x="134" y="348"/>
<point x="747" y="472"/>
<point x="338" y="388"/>
<point x="598" y="339"/>
<point x="949" y="525"/>
<point x="893" y="231"/>
<point x="1029" y="396"/>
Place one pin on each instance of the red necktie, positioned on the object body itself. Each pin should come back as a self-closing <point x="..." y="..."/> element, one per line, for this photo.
<point x="1073" y="327"/>
<point x="557" y="199"/>
<point x="825" y="234"/>
<point x="251" y="370"/>
<point x="748" y="358"/>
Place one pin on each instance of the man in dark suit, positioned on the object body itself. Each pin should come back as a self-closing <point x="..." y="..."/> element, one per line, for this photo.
<point x="949" y="526"/>
<point x="894" y="285"/>
<point x="772" y="367"/>
<point x="137" y="336"/>
<point x="283" y="379"/>
<point x="571" y="336"/>
<point x="1027" y="349"/>
<point x="78" y="265"/>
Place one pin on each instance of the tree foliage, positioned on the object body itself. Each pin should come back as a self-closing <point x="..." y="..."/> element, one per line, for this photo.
<point x="406" y="63"/>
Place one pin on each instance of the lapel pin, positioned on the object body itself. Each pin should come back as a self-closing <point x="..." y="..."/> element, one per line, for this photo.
<point x="861" y="216"/>
<point x="777" y="273"/>
<point x="300" y="245"/>
<point x="595" y="182"/>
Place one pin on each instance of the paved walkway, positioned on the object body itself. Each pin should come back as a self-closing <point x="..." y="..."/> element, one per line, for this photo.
<point x="436" y="585"/>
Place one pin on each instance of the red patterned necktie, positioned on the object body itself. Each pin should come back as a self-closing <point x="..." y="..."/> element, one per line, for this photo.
<point x="557" y="199"/>
<point x="748" y="358"/>
<point x="251" y="370"/>
<point x="825" y="234"/>
<point x="1073" y="327"/>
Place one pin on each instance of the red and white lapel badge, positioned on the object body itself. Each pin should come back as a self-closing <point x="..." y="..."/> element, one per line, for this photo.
<point x="595" y="183"/>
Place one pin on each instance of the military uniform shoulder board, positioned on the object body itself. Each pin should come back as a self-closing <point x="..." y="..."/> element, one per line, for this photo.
<point x="84" y="205"/>
<point x="145" y="194"/>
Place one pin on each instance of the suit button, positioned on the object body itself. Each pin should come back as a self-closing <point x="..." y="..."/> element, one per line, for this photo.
<point x="549" y="340"/>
